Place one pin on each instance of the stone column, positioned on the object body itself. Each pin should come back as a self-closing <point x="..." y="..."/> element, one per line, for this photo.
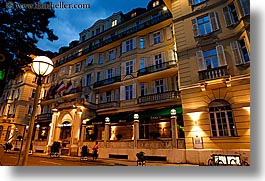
<point x="106" y="130"/>
<point x="36" y="137"/>
<point x="83" y="133"/>
<point x="52" y="129"/>
<point x="174" y="128"/>
<point x="135" y="129"/>
<point x="76" y="132"/>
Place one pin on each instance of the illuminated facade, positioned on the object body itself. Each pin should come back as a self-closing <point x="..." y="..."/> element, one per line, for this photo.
<point x="121" y="66"/>
<point x="213" y="46"/>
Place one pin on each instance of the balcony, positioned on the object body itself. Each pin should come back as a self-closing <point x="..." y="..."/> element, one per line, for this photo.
<point x="214" y="73"/>
<point x="45" y="116"/>
<point x="106" y="105"/>
<point x="158" y="97"/>
<point x="107" y="81"/>
<point x="121" y="35"/>
<point x="156" y="68"/>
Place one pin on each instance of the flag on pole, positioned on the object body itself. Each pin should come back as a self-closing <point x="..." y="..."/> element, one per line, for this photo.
<point x="60" y="88"/>
<point x="69" y="86"/>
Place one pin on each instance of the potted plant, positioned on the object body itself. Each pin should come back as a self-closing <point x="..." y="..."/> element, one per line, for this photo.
<point x="154" y="134"/>
<point x="119" y="136"/>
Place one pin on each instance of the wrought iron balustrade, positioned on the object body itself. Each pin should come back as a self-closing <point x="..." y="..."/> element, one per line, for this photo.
<point x="107" y="81"/>
<point x="156" y="68"/>
<point x="158" y="97"/>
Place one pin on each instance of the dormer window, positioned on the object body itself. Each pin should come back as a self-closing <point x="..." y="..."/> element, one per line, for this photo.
<point x="114" y="23"/>
<point x="133" y="14"/>
<point x="156" y="3"/>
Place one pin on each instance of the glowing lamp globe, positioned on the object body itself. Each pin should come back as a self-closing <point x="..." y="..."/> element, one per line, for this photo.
<point x="42" y="66"/>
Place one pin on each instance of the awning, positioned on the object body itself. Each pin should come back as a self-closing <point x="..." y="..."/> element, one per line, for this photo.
<point x="158" y="113"/>
<point x="127" y="117"/>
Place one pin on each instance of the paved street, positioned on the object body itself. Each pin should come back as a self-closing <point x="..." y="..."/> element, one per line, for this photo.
<point x="11" y="159"/>
<point x="40" y="159"/>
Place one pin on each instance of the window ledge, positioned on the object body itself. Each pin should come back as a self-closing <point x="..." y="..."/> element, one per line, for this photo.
<point x="224" y="138"/>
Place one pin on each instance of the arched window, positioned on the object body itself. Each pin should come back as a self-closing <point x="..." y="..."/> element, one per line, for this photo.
<point x="221" y="119"/>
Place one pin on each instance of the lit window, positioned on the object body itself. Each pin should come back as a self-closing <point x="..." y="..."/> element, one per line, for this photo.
<point x="158" y="61"/>
<point x="129" y="67"/>
<point x="129" y="45"/>
<point x="111" y="55"/>
<point x="141" y="43"/>
<point x="240" y="52"/>
<point x="133" y="14"/>
<point x="159" y="86"/>
<point x="221" y="119"/>
<point x="128" y="92"/>
<point x="157" y="38"/>
<point x="156" y="3"/>
<point x="114" y="23"/>
<point x="205" y="24"/>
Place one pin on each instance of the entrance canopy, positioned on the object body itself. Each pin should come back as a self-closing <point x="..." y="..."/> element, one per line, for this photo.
<point x="127" y="117"/>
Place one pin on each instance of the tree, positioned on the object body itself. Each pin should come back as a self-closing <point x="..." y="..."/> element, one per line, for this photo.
<point x="20" y="30"/>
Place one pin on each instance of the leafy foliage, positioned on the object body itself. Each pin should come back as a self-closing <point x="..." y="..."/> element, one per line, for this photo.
<point x="20" y="30"/>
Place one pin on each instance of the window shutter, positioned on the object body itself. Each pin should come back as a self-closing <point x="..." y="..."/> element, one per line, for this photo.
<point x="152" y="60"/>
<point x="166" y="84"/>
<point x="195" y="27"/>
<point x="106" y="74"/>
<point x="163" y="57"/>
<point x="114" y="53"/>
<point x="117" y="95"/>
<point x="162" y="35"/>
<point x="92" y="78"/>
<point x="237" y="54"/>
<point x="190" y="2"/>
<point x="118" y="71"/>
<point x="145" y="88"/>
<point x="123" y="47"/>
<point x="201" y="62"/>
<point x="227" y="16"/>
<point x="134" y="91"/>
<point x="245" y="7"/>
<point x="90" y="96"/>
<point x="118" y="51"/>
<point x="85" y="80"/>
<point x="122" y="93"/>
<point x="151" y="39"/>
<point x="170" y="55"/>
<point x="113" y="72"/>
<point x="104" y="97"/>
<point x="221" y="55"/>
<point x="123" y="68"/>
<point x="154" y="87"/>
<point x="134" y="42"/>
<point x="214" y="21"/>
<point x="134" y="65"/>
<point x="112" y="95"/>
<point x="168" y="31"/>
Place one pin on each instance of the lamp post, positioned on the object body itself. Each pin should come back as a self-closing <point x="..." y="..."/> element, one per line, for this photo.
<point x="41" y="66"/>
<point x="174" y="127"/>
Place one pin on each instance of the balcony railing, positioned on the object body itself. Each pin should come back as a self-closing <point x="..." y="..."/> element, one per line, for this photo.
<point x="156" y="68"/>
<point x="105" y="105"/>
<point x="46" y="116"/>
<point x="107" y="81"/>
<point x="158" y="97"/>
<point x="213" y="73"/>
<point x="121" y="35"/>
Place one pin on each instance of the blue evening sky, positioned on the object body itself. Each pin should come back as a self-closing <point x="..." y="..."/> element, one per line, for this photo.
<point x="70" y="22"/>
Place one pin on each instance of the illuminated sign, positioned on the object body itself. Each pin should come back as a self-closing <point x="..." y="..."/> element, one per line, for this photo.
<point x="2" y="75"/>
<point x="64" y="125"/>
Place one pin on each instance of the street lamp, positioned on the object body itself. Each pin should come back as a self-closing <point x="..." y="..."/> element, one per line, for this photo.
<point x="41" y="66"/>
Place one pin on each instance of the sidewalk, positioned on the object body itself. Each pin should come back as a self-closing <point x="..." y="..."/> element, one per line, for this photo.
<point x="116" y="162"/>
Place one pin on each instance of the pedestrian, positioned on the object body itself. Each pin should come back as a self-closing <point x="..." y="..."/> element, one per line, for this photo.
<point x="95" y="151"/>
